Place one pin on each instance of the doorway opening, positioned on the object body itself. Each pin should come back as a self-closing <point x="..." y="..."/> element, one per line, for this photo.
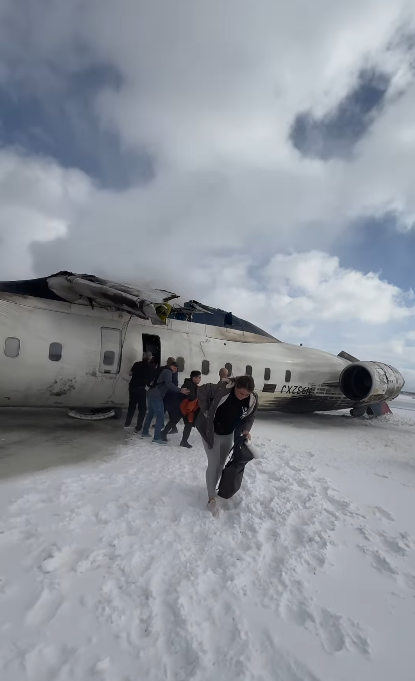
<point x="152" y="344"/>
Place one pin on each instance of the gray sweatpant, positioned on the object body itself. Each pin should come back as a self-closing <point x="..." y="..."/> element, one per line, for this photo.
<point x="216" y="457"/>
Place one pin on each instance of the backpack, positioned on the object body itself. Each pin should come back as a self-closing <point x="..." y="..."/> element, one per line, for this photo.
<point x="232" y="474"/>
<point x="155" y="380"/>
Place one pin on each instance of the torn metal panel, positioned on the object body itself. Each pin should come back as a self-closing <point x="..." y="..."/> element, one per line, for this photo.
<point x="108" y="294"/>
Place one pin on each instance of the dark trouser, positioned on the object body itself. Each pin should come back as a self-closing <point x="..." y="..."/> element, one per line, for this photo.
<point x="174" y="420"/>
<point x="137" y="399"/>
<point x="172" y="407"/>
<point x="187" y="429"/>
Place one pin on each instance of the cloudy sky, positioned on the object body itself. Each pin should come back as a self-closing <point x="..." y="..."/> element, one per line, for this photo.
<point x="258" y="156"/>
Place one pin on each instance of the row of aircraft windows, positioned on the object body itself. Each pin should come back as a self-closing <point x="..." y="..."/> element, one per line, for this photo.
<point x="12" y="349"/>
<point x="248" y="370"/>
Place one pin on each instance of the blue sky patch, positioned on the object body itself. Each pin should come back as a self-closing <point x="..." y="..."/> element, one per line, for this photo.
<point x="62" y="123"/>
<point x="337" y="132"/>
<point x="376" y="245"/>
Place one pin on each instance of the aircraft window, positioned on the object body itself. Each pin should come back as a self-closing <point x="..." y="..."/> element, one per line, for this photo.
<point x="180" y="364"/>
<point x="12" y="347"/>
<point x="248" y="370"/>
<point x="287" y="376"/>
<point x="229" y="368"/>
<point x="55" y="352"/>
<point x="267" y="374"/>
<point x="108" y="358"/>
<point x="205" y="367"/>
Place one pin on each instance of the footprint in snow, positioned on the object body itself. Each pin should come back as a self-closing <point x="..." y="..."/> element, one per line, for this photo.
<point x="61" y="559"/>
<point x="399" y="545"/>
<point x="337" y="633"/>
<point x="45" y="608"/>
<point x="382" y="513"/>
<point x="378" y="561"/>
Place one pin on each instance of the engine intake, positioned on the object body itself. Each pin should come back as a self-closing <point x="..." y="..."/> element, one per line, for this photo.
<point x="370" y="382"/>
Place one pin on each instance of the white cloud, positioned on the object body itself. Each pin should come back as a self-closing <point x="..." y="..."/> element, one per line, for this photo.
<point x="38" y="201"/>
<point x="307" y="288"/>
<point x="211" y="91"/>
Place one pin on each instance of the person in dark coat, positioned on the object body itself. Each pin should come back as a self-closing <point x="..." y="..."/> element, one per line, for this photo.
<point x="172" y="401"/>
<point x="141" y="373"/>
<point x="191" y="384"/>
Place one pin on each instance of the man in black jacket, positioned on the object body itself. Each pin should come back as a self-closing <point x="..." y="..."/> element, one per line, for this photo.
<point x="172" y="400"/>
<point x="141" y="374"/>
<point x="192" y="385"/>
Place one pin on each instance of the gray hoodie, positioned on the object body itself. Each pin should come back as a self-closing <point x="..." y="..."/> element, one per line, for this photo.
<point x="213" y="395"/>
<point x="164" y="384"/>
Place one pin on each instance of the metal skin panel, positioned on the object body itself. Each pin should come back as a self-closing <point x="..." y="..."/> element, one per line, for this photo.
<point x="32" y="380"/>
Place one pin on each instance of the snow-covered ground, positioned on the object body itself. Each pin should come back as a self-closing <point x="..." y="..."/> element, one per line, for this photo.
<point x="112" y="569"/>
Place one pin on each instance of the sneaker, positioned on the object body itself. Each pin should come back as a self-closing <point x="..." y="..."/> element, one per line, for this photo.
<point x="159" y="442"/>
<point x="213" y="507"/>
<point x="185" y="444"/>
<point x="174" y="431"/>
<point x="145" y="435"/>
<point x="163" y="437"/>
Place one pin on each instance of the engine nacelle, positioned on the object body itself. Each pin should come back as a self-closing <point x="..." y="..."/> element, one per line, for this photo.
<point x="370" y="382"/>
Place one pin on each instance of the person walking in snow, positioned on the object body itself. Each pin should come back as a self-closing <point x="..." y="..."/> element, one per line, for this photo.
<point x="141" y="373"/>
<point x="224" y="407"/>
<point x="188" y="415"/>
<point x="155" y="395"/>
<point x="172" y="399"/>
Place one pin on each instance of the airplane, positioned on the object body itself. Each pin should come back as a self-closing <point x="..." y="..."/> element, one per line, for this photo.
<point x="69" y="340"/>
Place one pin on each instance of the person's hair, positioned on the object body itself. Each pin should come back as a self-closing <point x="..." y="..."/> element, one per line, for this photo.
<point x="245" y="382"/>
<point x="195" y="374"/>
<point x="147" y="356"/>
<point x="170" y="361"/>
<point x="223" y="373"/>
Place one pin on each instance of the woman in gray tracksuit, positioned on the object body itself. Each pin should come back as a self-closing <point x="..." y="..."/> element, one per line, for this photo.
<point x="224" y="407"/>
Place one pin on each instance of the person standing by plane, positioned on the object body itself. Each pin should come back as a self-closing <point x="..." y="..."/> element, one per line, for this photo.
<point x="223" y="375"/>
<point x="141" y="373"/>
<point x="224" y="407"/>
<point x="192" y="384"/>
<point x="155" y="395"/>
<point x="172" y="400"/>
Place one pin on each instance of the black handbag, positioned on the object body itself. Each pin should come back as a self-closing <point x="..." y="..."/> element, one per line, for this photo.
<point x="233" y="473"/>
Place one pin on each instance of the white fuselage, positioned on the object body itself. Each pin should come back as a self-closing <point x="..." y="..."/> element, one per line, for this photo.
<point x="98" y="348"/>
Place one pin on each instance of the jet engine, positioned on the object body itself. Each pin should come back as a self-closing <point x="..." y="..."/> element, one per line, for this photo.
<point x="370" y="382"/>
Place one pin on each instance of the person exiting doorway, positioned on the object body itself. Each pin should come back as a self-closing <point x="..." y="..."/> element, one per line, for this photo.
<point x="141" y="374"/>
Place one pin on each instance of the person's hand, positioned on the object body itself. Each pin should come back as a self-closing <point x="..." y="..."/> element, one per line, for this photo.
<point x="185" y="391"/>
<point x="246" y="434"/>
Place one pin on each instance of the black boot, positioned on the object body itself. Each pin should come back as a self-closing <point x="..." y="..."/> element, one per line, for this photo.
<point x="185" y="444"/>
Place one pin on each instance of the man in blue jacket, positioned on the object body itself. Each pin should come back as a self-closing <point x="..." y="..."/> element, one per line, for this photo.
<point x="155" y="396"/>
